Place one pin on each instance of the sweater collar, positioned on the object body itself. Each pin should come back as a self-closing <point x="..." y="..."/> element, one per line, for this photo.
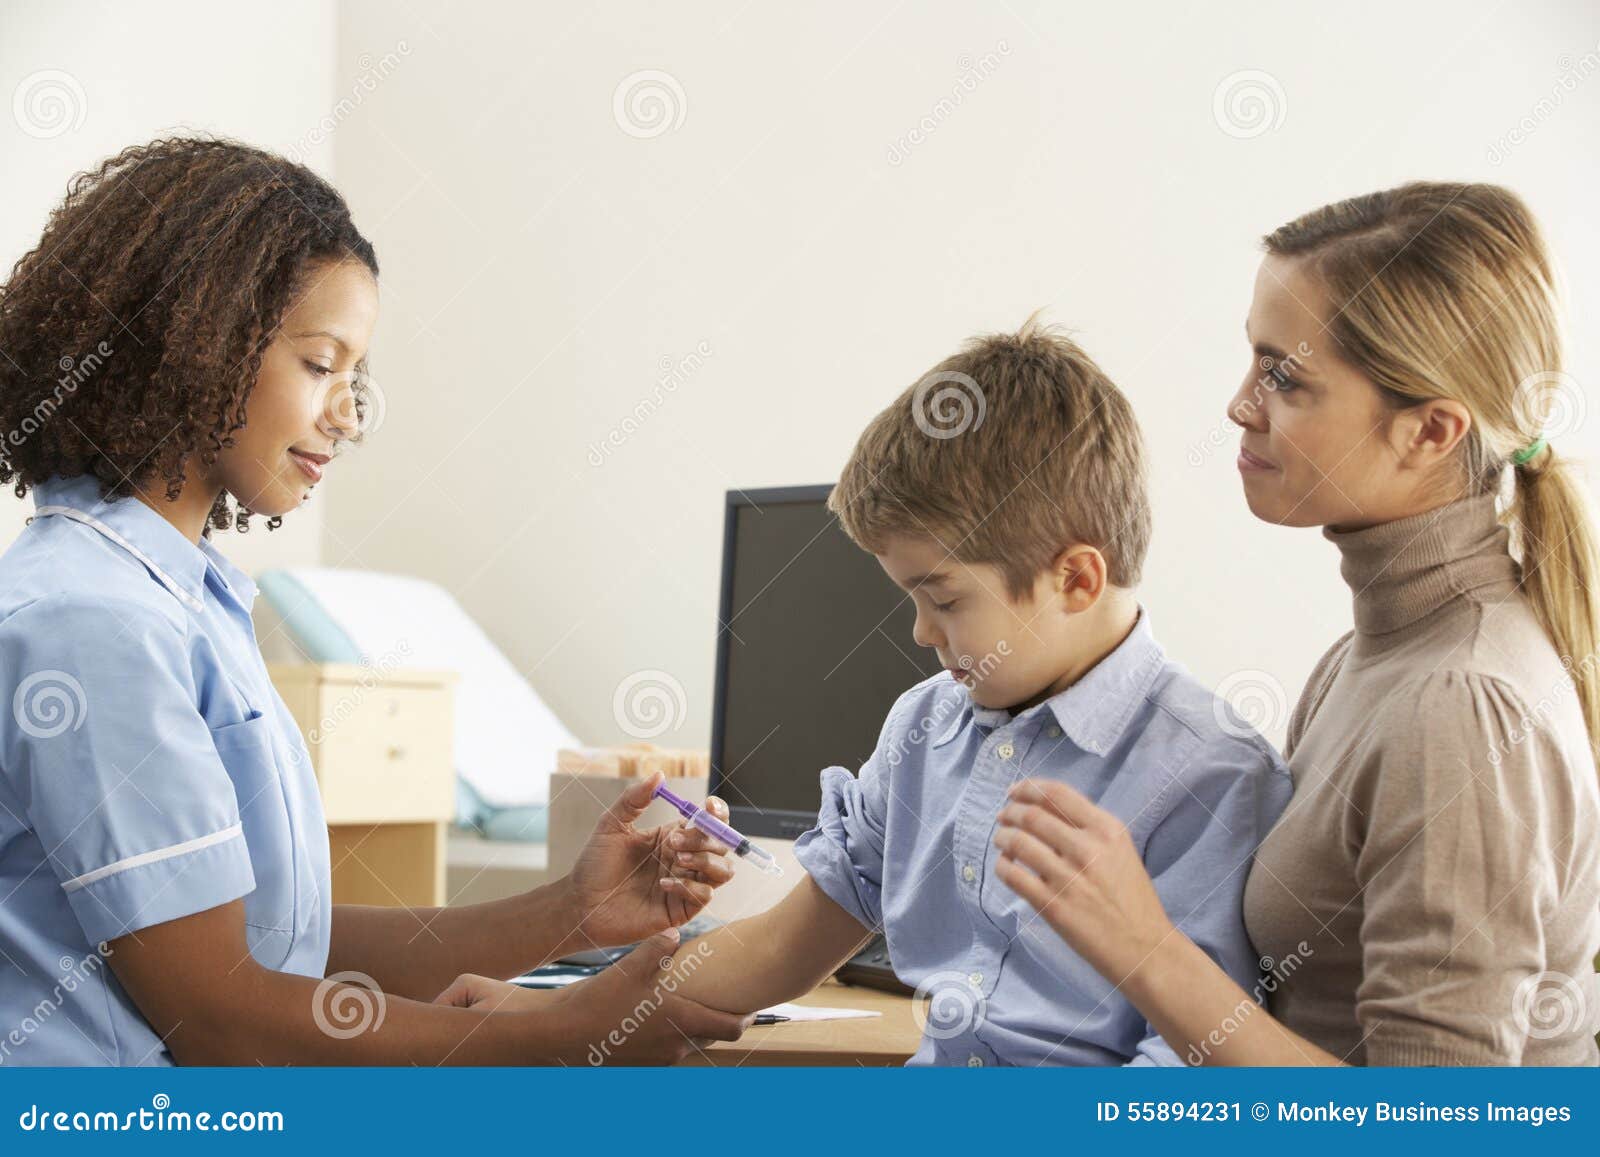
<point x="1402" y="571"/>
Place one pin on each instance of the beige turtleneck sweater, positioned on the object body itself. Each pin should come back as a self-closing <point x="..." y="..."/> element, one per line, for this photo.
<point x="1431" y="895"/>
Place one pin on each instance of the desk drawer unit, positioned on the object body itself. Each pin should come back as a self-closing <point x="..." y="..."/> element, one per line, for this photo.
<point x="381" y="747"/>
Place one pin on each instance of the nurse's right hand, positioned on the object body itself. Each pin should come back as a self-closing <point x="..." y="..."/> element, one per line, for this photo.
<point x="629" y="1014"/>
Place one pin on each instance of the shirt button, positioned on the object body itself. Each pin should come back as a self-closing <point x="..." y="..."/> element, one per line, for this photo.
<point x="1054" y="733"/>
<point x="1005" y="751"/>
<point x="977" y="979"/>
<point x="974" y="1062"/>
<point x="967" y="873"/>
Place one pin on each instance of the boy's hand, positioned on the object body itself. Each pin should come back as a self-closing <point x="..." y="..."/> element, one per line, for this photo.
<point x="628" y="884"/>
<point x="1075" y="863"/>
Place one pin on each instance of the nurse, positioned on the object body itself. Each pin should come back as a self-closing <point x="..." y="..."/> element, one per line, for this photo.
<point x="185" y="350"/>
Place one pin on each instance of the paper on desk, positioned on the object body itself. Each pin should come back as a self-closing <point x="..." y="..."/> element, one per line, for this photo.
<point x="795" y="1012"/>
<point x="811" y="1012"/>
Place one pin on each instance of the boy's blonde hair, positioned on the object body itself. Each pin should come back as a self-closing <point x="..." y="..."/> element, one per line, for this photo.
<point x="1005" y="453"/>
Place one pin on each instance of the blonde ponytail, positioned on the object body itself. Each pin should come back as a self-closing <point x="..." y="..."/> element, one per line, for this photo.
<point x="1560" y="567"/>
<point x="1446" y="290"/>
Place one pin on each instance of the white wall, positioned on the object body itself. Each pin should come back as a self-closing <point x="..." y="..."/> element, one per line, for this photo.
<point x="540" y="263"/>
<point x="125" y="73"/>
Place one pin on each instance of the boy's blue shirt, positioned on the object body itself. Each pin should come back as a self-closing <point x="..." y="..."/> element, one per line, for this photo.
<point x="907" y="845"/>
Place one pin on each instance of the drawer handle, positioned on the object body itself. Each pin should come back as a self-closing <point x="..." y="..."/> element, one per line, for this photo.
<point x="397" y="753"/>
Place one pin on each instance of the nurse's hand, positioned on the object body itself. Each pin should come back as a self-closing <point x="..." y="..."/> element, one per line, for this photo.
<point x="470" y="990"/>
<point x="628" y="1014"/>
<point x="627" y="884"/>
<point x="1075" y="863"/>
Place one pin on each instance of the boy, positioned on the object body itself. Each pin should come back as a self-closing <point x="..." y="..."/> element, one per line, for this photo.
<point x="1005" y="492"/>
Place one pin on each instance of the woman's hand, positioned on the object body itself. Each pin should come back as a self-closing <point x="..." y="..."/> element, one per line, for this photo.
<point x="628" y="884"/>
<point x="1075" y="863"/>
<point x="627" y="1014"/>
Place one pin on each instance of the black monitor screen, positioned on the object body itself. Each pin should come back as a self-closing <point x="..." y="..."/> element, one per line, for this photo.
<point x="813" y="649"/>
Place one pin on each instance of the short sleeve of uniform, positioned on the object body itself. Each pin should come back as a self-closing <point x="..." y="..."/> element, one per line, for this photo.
<point x="116" y="768"/>
<point x="844" y="852"/>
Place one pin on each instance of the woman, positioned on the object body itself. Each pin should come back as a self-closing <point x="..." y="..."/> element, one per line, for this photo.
<point x="186" y="349"/>
<point x="1432" y="893"/>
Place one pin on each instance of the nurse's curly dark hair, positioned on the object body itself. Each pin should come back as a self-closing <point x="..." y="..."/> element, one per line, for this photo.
<point x="132" y="334"/>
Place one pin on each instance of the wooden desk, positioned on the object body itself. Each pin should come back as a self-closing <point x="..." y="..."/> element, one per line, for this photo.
<point x="889" y="1039"/>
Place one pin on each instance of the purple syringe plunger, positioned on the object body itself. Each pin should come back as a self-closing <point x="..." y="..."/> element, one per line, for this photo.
<point x="721" y="832"/>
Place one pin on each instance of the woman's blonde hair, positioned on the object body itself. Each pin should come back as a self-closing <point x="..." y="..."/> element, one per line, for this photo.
<point x="1446" y="290"/>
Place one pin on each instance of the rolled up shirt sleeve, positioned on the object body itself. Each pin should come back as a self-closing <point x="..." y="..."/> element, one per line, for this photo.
<point x="115" y="766"/>
<point x="844" y="852"/>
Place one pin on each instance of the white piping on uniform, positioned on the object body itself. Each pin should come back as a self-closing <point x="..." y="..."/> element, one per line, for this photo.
<point x="162" y="576"/>
<point x="154" y="857"/>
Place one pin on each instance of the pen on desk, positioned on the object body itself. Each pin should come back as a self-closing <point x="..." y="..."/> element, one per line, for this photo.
<point x="768" y="1018"/>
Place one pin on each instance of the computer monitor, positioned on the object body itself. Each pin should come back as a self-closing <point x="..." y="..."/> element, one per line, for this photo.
<point x="813" y="647"/>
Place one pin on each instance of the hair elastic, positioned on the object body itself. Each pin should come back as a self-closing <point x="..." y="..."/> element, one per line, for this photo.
<point x="1521" y="457"/>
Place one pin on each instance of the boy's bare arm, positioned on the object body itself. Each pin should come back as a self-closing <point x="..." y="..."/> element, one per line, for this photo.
<point x="783" y="953"/>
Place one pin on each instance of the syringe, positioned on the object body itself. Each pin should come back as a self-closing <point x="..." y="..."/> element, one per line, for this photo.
<point x="721" y="832"/>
